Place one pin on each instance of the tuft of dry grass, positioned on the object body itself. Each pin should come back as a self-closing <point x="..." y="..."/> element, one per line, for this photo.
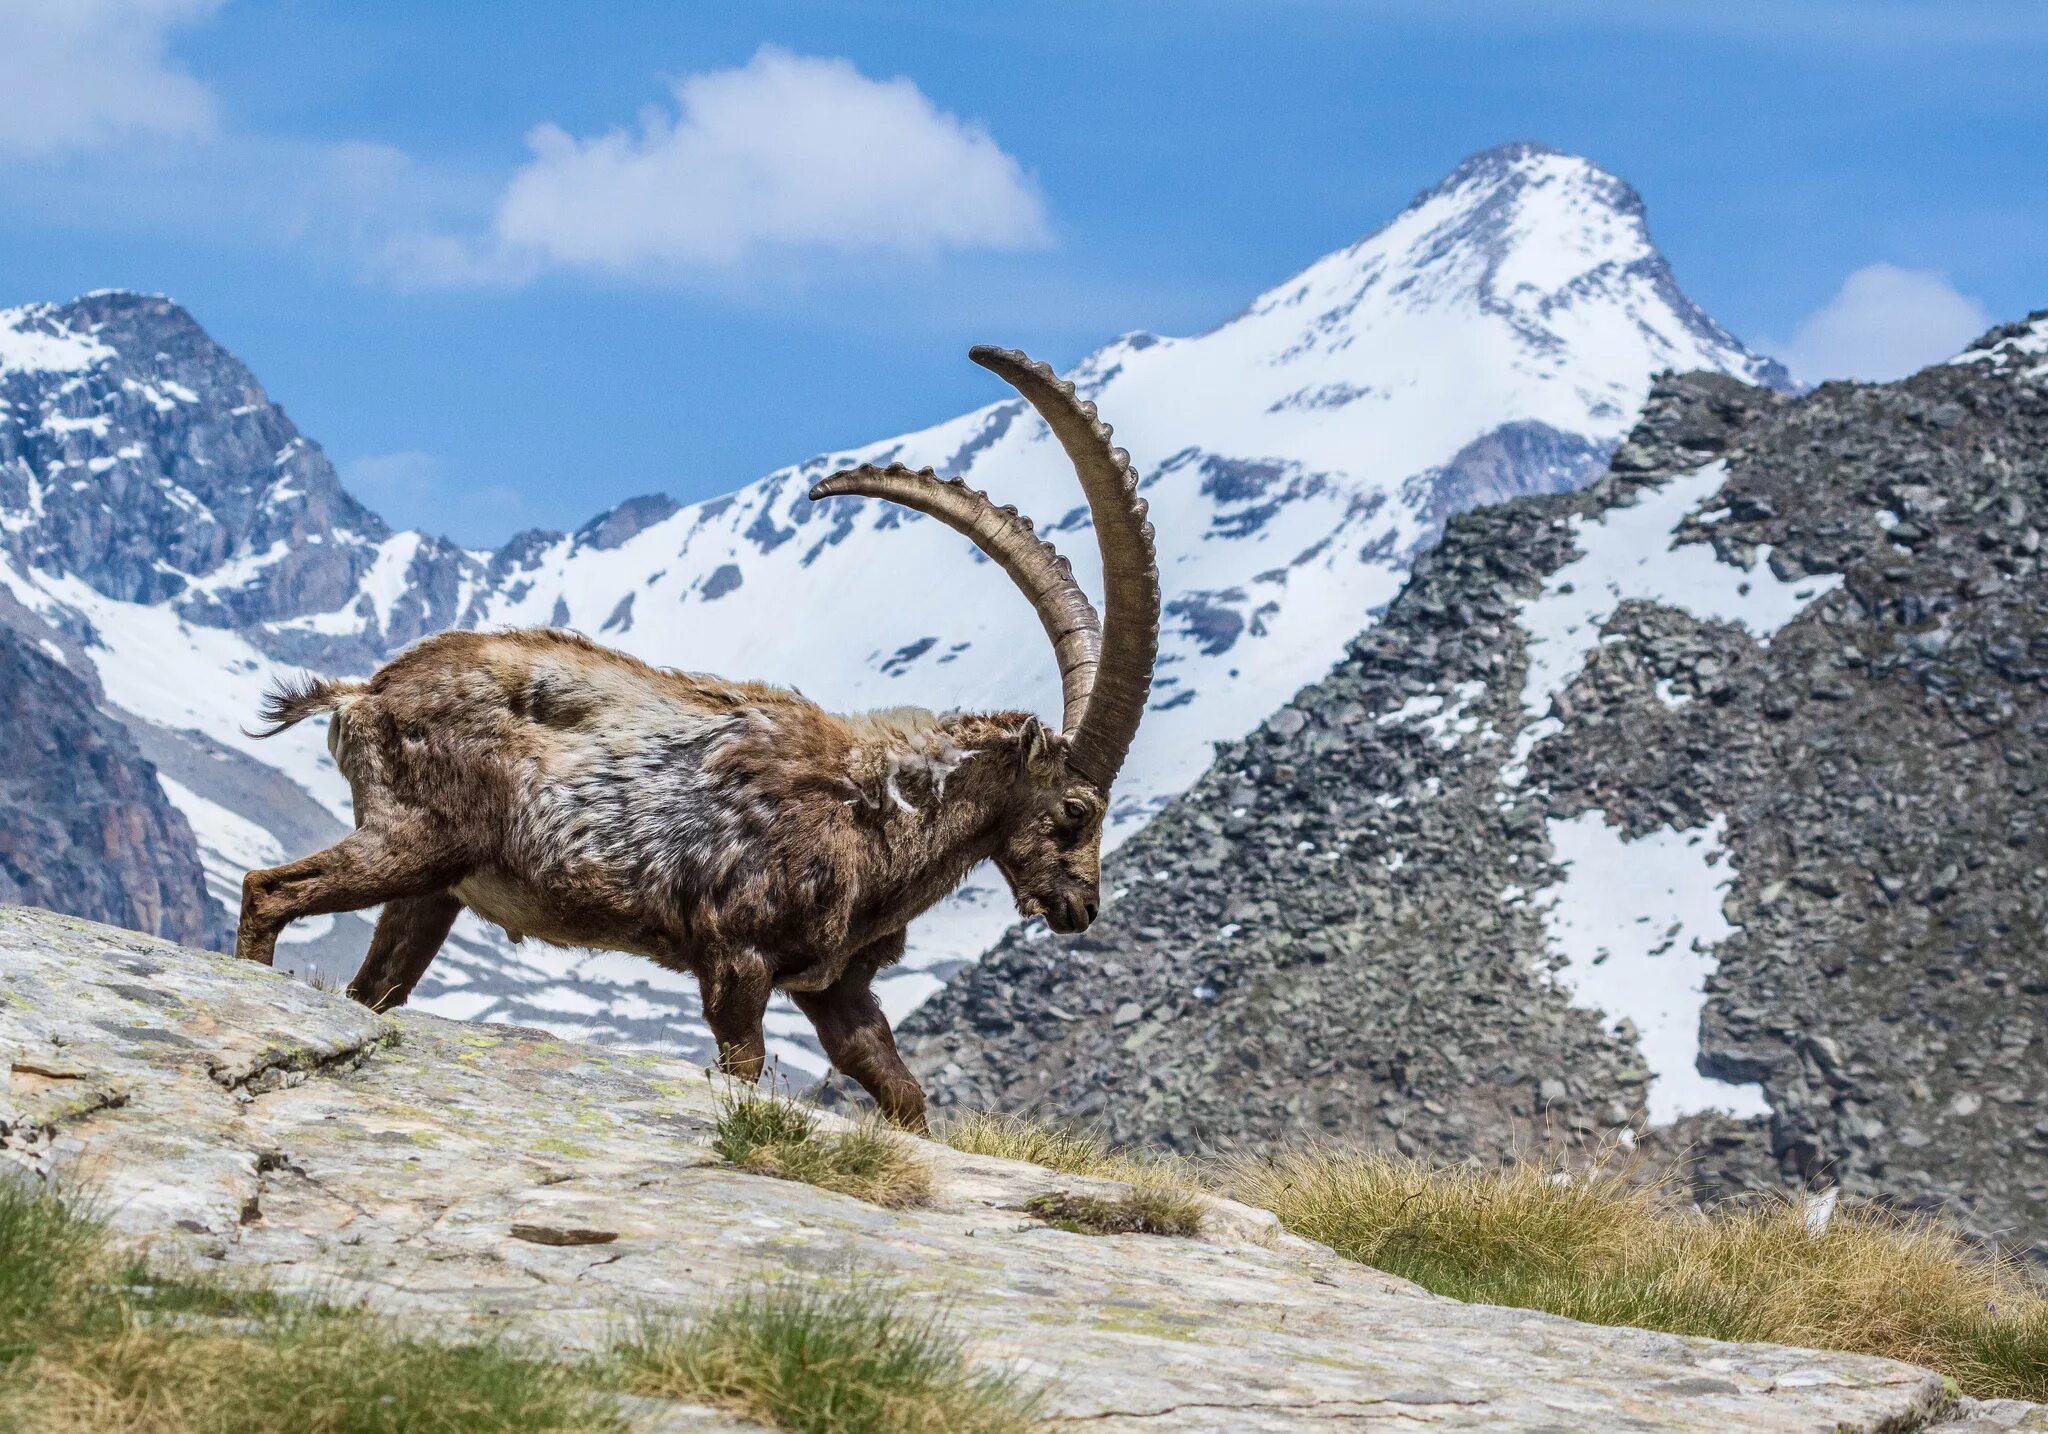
<point x="1056" y="1147"/>
<point x="1147" y="1208"/>
<point x="846" y="1360"/>
<point x="313" y="976"/>
<point x="771" y="1135"/>
<point x="1064" y="1148"/>
<point x="1165" y="1197"/>
<point x="1604" y="1247"/>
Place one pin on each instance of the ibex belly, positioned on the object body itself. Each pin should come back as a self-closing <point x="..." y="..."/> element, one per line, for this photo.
<point x="558" y="918"/>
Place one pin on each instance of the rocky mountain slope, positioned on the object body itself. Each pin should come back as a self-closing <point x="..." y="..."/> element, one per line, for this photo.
<point x="1713" y="794"/>
<point x="165" y="525"/>
<point x="235" y="1117"/>
<point x="84" y="823"/>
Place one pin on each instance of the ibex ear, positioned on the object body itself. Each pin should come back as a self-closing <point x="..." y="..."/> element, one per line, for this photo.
<point x="1044" y="752"/>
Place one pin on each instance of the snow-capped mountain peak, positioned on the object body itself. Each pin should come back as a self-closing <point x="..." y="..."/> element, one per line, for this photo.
<point x="1496" y="337"/>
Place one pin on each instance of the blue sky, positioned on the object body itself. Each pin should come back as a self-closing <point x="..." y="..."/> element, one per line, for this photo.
<point x="510" y="263"/>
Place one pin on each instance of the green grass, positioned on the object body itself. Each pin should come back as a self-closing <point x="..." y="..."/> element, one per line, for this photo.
<point x="840" y="1360"/>
<point x="1605" y="1247"/>
<point x="1144" y="1209"/>
<point x="751" y="1123"/>
<point x="771" y="1135"/>
<point x="151" y="1293"/>
<point x="89" y="1344"/>
<point x="44" y="1244"/>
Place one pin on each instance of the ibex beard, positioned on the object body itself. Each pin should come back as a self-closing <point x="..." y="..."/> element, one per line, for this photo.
<point x="576" y="795"/>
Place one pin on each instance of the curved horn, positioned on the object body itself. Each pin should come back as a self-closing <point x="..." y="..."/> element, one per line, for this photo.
<point x="1005" y="535"/>
<point x="1130" y="572"/>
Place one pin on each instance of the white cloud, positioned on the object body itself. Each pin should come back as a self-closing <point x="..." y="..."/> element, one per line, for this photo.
<point x="78" y="74"/>
<point x="787" y="153"/>
<point x="754" y="172"/>
<point x="1884" y="323"/>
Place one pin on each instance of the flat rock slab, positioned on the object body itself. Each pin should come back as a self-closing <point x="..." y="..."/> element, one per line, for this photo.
<point x="487" y="1176"/>
<point x="1992" y="1416"/>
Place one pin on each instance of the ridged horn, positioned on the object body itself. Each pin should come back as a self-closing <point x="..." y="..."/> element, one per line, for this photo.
<point x="1115" y="705"/>
<point x="1006" y="536"/>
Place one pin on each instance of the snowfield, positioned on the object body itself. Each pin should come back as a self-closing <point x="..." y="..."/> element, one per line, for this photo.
<point x="1636" y="921"/>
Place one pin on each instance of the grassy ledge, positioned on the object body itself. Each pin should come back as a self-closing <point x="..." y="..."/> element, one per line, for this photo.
<point x="837" y="1360"/>
<point x="771" y="1135"/>
<point x="1604" y="1247"/>
<point x="1165" y="1198"/>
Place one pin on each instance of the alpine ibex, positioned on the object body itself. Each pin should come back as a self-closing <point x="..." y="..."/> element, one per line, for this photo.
<point x="734" y="830"/>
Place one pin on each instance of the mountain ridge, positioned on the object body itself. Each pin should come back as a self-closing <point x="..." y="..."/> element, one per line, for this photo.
<point x="1296" y="457"/>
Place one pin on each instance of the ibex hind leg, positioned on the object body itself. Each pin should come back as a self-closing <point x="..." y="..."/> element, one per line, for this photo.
<point x="409" y="934"/>
<point x="370" y="865"/>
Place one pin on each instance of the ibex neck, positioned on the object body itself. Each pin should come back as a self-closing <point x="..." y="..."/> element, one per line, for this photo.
<point x="933" y="790"/>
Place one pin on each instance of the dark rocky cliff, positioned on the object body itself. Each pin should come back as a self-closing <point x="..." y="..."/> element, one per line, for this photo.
<point x="1348" y="926"/>
<point x="87" y="829"/>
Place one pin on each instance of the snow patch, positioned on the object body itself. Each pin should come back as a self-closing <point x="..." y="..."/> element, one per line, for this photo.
<point x="230" y="846"/>
<point x="50" y="348"/>
<point x="386" y="582"/>
<point x="98" y="425"/>
<point x="157" y="666"/>
<point x="238" y="572"/>
<point x="2015" y="354"/>
<point x="1636" y="923"/>
<point x="453" y="1005"/>
<point x="1627" y="553"/>
<point x="228" y="834"/>
<point x="1444" y="718"/>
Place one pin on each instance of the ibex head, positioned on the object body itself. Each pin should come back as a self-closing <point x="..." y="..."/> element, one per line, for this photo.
<point x="1050" y="846"/>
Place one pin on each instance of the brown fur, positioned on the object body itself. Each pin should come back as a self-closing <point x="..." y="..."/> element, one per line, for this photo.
<point x="569" y="792"/>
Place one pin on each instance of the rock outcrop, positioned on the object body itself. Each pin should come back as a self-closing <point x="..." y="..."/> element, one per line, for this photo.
<point x="142" y="458"/>
<point x="87" y="828"/>
<point x="1713" y="794"/>
<point x="230" y="1115"/>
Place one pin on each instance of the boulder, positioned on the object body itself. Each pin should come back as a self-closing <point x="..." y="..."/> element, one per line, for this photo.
<point x="488" y="1177"/>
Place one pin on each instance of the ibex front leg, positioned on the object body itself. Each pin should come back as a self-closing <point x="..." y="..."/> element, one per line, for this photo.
<point x="409" y="934"/>
<point x="736" y="987"/>
<point x="857" y="1040"/>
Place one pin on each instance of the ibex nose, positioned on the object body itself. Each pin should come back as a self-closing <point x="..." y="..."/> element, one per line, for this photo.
<point x="1076" y="914"/>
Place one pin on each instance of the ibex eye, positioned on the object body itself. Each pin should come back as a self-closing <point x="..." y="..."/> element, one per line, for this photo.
<point x="1076" y="811"/>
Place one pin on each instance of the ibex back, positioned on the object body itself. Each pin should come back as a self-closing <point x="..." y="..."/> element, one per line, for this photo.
<point x="573" y="794"/>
